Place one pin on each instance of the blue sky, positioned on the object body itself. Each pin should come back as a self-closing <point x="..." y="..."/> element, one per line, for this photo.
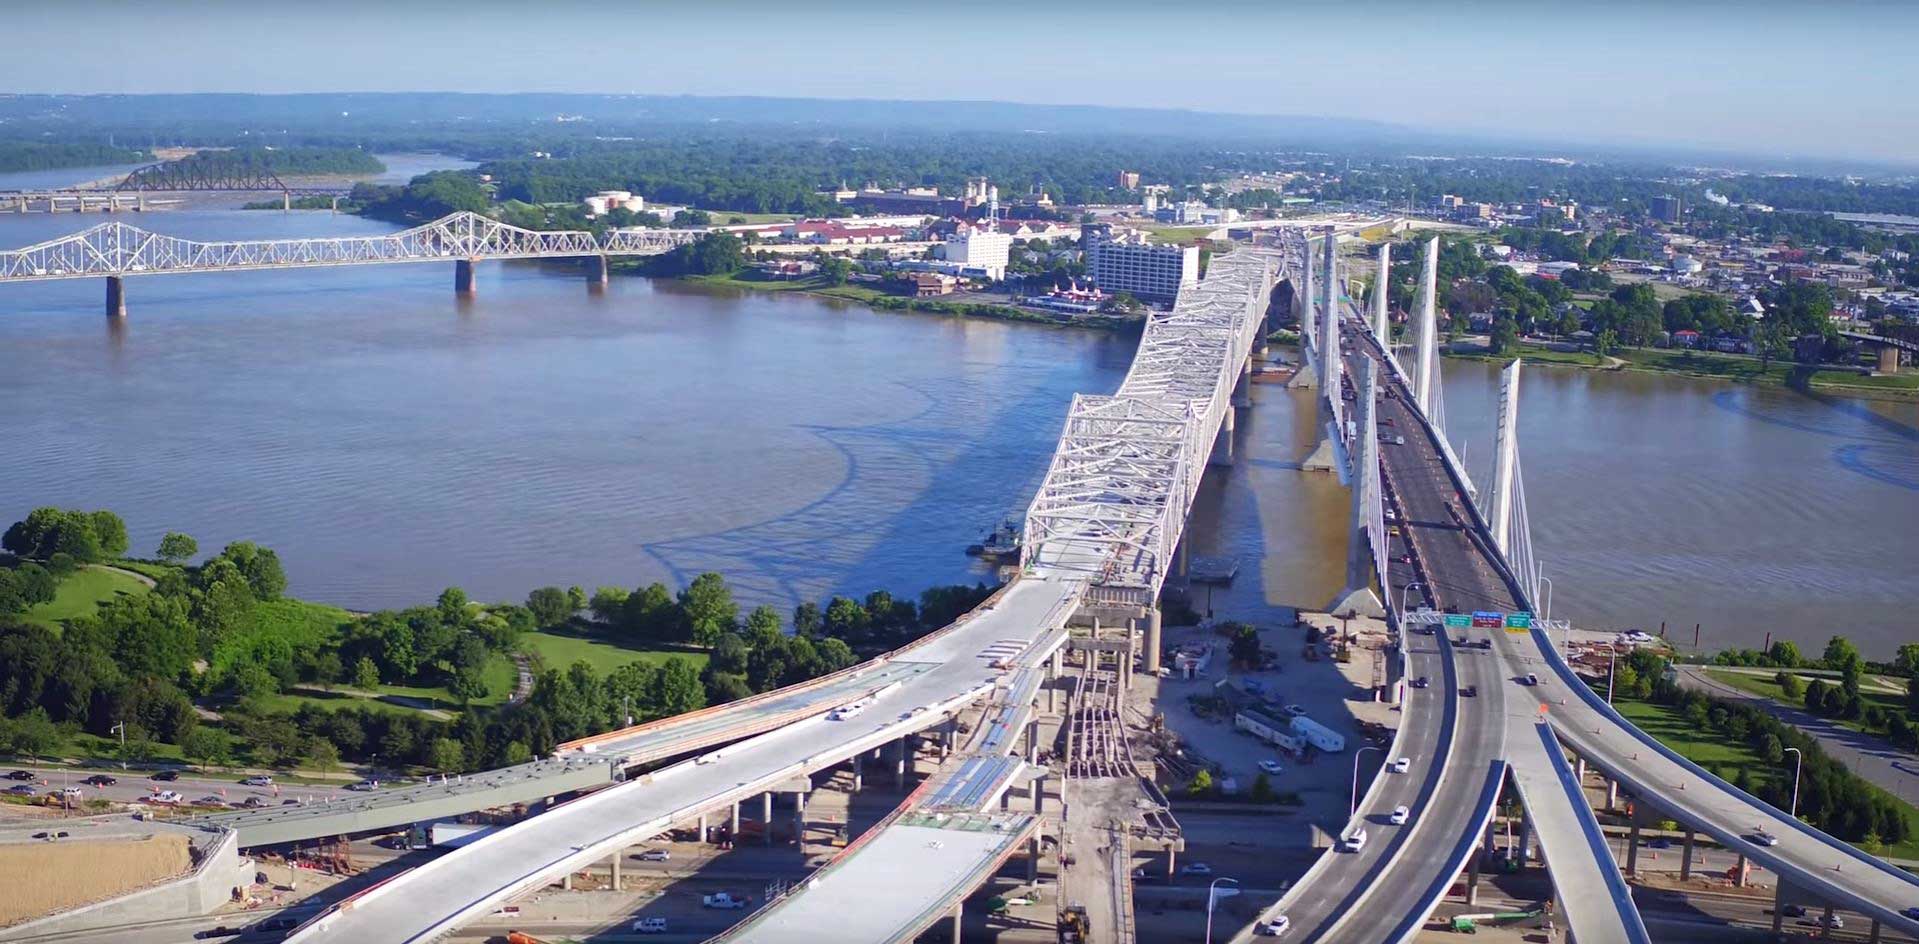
<point x="1822" y="79"/>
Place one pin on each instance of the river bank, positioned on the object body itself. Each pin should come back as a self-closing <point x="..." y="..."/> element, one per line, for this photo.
<point x="1706" y="365"/>
<point x="885" y="301"/>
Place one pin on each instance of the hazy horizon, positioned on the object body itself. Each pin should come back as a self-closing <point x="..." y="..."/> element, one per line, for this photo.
<point x="1762" y="79"/>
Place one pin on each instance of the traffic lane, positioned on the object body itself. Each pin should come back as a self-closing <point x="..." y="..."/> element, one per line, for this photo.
<point x="132" y="786"/>
<point x="1322" y="896"/>
<point x="1454" y="814"/>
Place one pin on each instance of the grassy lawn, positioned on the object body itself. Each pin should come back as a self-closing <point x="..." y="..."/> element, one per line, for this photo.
<point x="500" y="678"/>
<point x="736" y="217"/>
<point x="1535" y="354"/>
<point x="81" y="593"/>
<point x="1706" y="750"/>
<point x="1765" y="687"/>
<point x="1907" y="382"/>
<point x="1179" y="235"/>
<point x="301" y="622"/>
<point x="1735" y="367"/>
<point x="152" y="569"/>
<point x="559" y="649"/>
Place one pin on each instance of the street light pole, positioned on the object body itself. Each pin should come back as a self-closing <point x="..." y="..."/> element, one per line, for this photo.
<point x="1211" y="899"/>
<point x="122" y="729"/>
<point x="1798" y="761"/>
<point x="1612" y="668"/>
<point x="1548" y="581"/>
<point x="1352" y="807"/>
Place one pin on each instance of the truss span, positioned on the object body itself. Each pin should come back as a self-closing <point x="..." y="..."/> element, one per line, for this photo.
<point x="1116" y="496"/>
<point x="119" y="249"/>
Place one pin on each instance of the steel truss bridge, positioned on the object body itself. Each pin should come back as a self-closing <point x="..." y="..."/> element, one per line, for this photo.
<point x="118" y="250"/>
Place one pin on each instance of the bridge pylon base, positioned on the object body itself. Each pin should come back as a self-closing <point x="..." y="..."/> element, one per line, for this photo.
<point x="116" y="297"/>
<point x="1358" y="602"/>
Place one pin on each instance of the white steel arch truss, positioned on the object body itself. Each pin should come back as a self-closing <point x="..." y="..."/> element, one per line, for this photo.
<point x="1116" y="497"/>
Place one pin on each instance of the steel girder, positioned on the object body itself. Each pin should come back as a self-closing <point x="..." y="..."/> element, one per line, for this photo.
<point x="1115" y="499"/>
<point x="199" y="175"/>
<point x="118" y="249"/>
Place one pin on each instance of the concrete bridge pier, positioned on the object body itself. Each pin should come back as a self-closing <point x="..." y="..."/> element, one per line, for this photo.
<point x="702" y="827"/>
<point x="958" y="911"/>
<point x="618" y="854"/>
<point x="859" y="772"/>
<point x="899" y="765"/>
<point x="1632" y="842"/>
<point x="1223" y="445"/>
<point x="1152" y="640"/>
<point x="1888" y="359"/>
<point x="1685" y="857"/>
<point x="463" y="277"/>
<point x="733" y="825"/>
<point x="116" y="297"/>
<point x="766" y="818"/>
<point x="596" y="270"/>
<point x="799" y="817"/>
<point x="1242" y="388"/>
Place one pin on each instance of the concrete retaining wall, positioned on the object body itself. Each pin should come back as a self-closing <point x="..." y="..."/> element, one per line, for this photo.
<point x="209" y="886"/>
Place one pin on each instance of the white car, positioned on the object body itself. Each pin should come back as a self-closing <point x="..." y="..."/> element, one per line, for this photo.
<point x="650" y="926"/>
<point x="164" y="796"/>
<point x="1275" y="927"/>
<point x="723" y="901"/>
<point x="257" y="781"/>
<point x="1271" y="766"/>
<point x="1402" y="765"/>
<point x="1399" y="816"/>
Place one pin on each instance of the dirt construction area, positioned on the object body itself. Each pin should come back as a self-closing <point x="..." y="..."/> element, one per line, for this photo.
<point x="88" y="870"/>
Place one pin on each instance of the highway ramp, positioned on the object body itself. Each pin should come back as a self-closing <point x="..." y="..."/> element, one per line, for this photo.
<point x="442" y="895"/>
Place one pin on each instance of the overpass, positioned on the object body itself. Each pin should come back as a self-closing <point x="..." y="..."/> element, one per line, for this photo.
<point x="1892" y="343"/>
<point x="1100" y="533"/>
<point x="116" y="251"/>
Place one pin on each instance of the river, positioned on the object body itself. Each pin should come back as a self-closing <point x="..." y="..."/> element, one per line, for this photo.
<point x="389" y="440"/>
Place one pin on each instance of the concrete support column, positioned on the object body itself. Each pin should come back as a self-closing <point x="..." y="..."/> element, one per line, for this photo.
<point x="1525" y="840"/>
<point x="617" y="856"/>
<point x="1632" y="846"/>
<point x="1888" y="359"/>
<point x="116" y="297"/>
<point x="1472" y="874"/>
<point x="1032" y="859"/>
<point x="1032" y="742"/>
<point x="958" y="911"/>
<point x="1172" y="861"/>
<point x="899" y="766"/>
<point x="1872" y="936"/>
<point x="1039" y="795"/>
<point x="1223" y="444"/>
<point x="1739" y="873"/>
<point x="766" y="818"/>
<point x="567" y="882"/>
<point x="859" y="771"/>
<point x="1778" y="907"/>
<point x="799" y="818"/>
<point x="1052" y="697"/>
<point x="286" y="201"/>
<point x="702" y="828"/>
<point x="1612" y="794"/>
<point x="734" y="825"/>
<point x="1825" y="925"/>
<point x="1685" y="858"/>
<point x="1152" y="641"/>
<point x="1579" y="770"/>
<point x="596" y="270"/>
<point x="463" y="277"/>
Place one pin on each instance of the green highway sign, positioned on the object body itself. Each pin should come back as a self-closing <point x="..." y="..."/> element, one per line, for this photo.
<point x="1458" y="620"/>
<point x="1519" y="620"/>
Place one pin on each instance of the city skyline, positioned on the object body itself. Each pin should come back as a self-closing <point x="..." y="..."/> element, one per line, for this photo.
<point x="1760" y="80"/>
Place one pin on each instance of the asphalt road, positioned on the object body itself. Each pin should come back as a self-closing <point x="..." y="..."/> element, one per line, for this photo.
<point x="132" y="786"/>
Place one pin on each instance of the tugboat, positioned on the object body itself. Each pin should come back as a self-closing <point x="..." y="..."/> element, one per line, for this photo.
<point x="1002" y="541"/>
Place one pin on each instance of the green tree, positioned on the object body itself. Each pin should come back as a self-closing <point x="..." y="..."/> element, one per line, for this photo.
<point x="763" y="623"/>
<point x="1841" y="654"/>
<point x="1784" y="654"/>
<point x="677" y="688"/>
<point x="110" y="532"/>
<point x="1202" y="784"/>
<point x="709" y="608"/>
<point x="550" y="606"/>
<point x="607" y="603"/>
<point x="1771" y="749"/>
<point x="1262" y="791"/>
<point x="260" y="566"/>
<point x="807" y="619"/>
<point x="1505" y="336"/>
<point x="576" y="598"/>
<point x="1244" y="646"/>
<point x="366" y="675"/>
<point x="1906" y="660"/>
<point x="322" y="755"/>
<point x="452" y="606"/>
<point x="652" y="615"/>
<point x="447" y="756"/>
<point x="1791" y="684"/>
<point x="177" y="548"/>
<point x="205" y="746"/>
<point x="34" y="733"/>
<point x="835" y="270"/>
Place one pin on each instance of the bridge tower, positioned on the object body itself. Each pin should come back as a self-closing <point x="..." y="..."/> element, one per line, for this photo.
<point x="1329" y="364"/>
<point x="1505" y="457"/>
<point x="463" y="277"/>
<point x="1425" y="371"/>
<point x="1382" y="287"/>
<point x="1367" y="526"/>
<point x="1308" y="322"/>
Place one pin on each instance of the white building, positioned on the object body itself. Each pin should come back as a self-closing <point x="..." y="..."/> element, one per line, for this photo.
<point x="978" y="249"/>
<point x="605" y="200"/>
<point x="1127" y="263"/>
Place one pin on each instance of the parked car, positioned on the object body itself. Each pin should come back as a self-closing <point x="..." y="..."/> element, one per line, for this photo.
<point x="653" y="855"/>
<point x="1399" y="816"/>
<point x="166" y="776"/>
<point x="211" y="800"/>
<point x="258" y="780"/>
<point x="71" y="793"/>
<point x="1271" y="767"/>
<point x="101" y="780"/>
<point x="1195" y="868"/>
<point x="20" y="790"/>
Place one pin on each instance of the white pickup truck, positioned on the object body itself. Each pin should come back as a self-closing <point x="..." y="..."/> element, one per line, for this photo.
<point x="723" y="900"/>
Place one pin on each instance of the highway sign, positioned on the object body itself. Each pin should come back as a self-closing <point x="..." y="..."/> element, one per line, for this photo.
<point x="1488" y="619"/>
<point x="1519" y="620"/>
<point x="1458" y="620"/>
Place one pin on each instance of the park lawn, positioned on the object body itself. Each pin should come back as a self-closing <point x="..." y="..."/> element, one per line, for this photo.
<point x="153" y="569"/>
<point x="1180" y="235"/>
<point x="1535" y="354"/>
<point x="735" y="218"/>
<point x="1710" y="364"/>
<point x="1703" y="748"/>
<point x="561" y="649"/>
<point x="1908" y="381"/>
<point x="82" y="592"/>
<point x="301" y="622"/>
